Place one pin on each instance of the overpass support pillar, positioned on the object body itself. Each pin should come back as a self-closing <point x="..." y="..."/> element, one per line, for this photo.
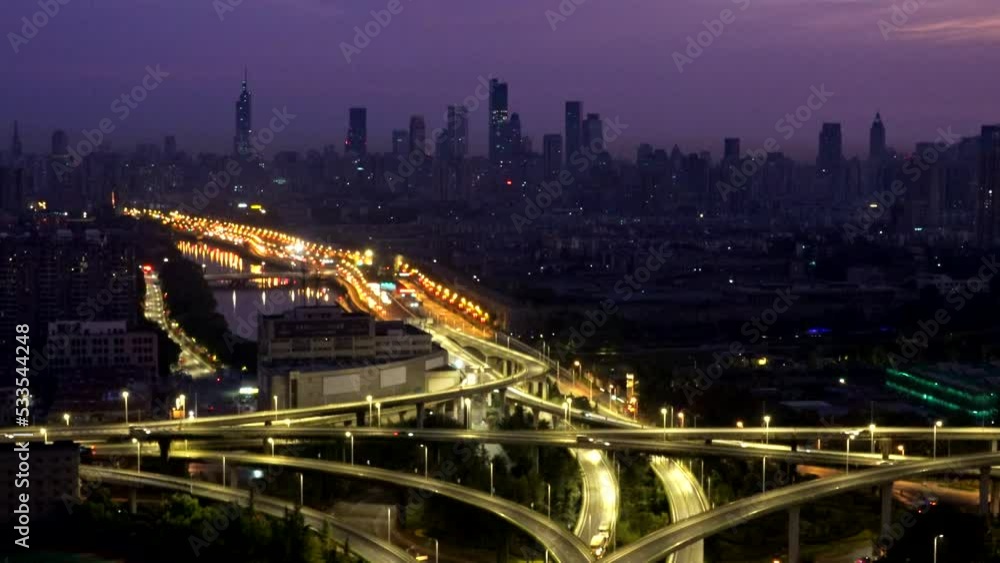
<point x="993" y="446"/>
<point x="133" y="501"/>
<point x="421" y="414"/>
<point x="886" y="494"/>
<point x="885" y="446"/>
<point x="545" y="390"/>
<point x="361" y="417"/>
<point x="164" y="448"/>
<point x="984" y="490"/>
<point x="793" y="534"/>
<point x="995" y="498"/>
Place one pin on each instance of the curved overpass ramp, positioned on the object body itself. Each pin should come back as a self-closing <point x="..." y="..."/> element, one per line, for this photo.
<point x="561" y="543"/>
<point x="686" y="532"/>
<point x="362" y="543"/>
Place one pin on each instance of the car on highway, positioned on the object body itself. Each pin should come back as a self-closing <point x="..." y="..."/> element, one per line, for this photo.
<point x="599" y="544"/>
<point x="581" y="439"/>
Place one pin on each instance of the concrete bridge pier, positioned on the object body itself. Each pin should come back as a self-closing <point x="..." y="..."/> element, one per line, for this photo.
<point x="885" y="446"/>
<point x="421" y="415"/>
<point x="984" y="490"/>
<point x="886" y="494"/>
<point x="995" y="498"/>
<point x="793" y="534"/>
<point x="164" y="444"/>
<point x="133" y="501"/>
<point x="360" y="417"/>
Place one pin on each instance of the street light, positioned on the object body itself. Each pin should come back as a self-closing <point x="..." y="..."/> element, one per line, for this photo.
<point x="871" y="432"/>
<point x="271" y="441"/>
<point x="125" y="397"/>
<point x="435" y="551"/>
<point x="936" y="538"/>
<point x="902" y="450"/>
<point x="663" y="411"/>
<point x="378" y="409"/>
<point x="491" y="479"/>
<point x="468" y="412"/>
<point x="302" y="489"/>
<point x="425" y="460"/>
<point x="275" y="407"/>
<point x="369" y="399"/>
<point x="351" y="436"/>
<point x="66" y="418"/>
<point x="680" y="415"/>
<point x="937" y="425"/>
<point x="576" y="363"/>
<point x="739" y="424"/>
<point x="569" y="411"/>
<point x="548" y="499"/>
<point x="138" y="455"/>
<point x="45" y="437"/>
<point x="767" y="428"/>
<point x="847" y="464"/>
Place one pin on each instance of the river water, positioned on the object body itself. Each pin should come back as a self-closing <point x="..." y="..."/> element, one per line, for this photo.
<point x="242" y="303"/>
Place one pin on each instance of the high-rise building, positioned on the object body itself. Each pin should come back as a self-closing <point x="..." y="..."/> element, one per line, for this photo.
<point x="357" y="133"/>
<point x="499" y="115"/>
<point x="731" y="149"/>
<point x="400" y="142"/>
<point x="60" y="143"/>
<point x="16" y="149"/>
<point x="513" y="142"/>
<point x="244" y="130"/>
<point x="552" y="155"/>
<point x="418" y="135"/>
<point x="169" y="148"/>
<point x="593" y="133"/>
<point x="458" y="131"/>
<point x="574" y="134"/>
<point x="988" y="185"/>
<point x="876" y="139"/>
<point x="831" y="154"/>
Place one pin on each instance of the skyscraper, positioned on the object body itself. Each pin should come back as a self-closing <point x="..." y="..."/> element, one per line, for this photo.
<point x="876" y="139"/>
<point x="593" y="133"/>
<point x="60" y="143"/>
<point x="400" y="142"/>
<point x="458" y="131"/>
<point x="574" y="137"/>
<point x="513" y="142"/>
<point x="731" y="148"/>
<point x="418" y="135"/>
<point x="241" y="141"/>
<point x="16" y="150"/>
<point x="552" y="155"/>
<point x="831" y="153"/>
<point x="499" y="114"/>
<point x="988" y="185"/>
<point x="169" y="148"/>
<point x="357" y="133"/>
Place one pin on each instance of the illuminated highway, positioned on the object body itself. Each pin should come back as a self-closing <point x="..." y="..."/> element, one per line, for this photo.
<point x="194" y="359"/>
<point x="362" y="543"/>
<point x="686" y="499"/>
<point x="563" y="545"/>
<point x="686" y="532"/>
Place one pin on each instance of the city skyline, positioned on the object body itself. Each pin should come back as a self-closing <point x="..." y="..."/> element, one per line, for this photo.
<point x="631" y="75"/>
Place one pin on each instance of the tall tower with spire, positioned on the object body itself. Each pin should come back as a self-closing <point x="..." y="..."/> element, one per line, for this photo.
<point x="876" y="139"/>
<point x="16" y="150"/>
<point x="241" y="142"/>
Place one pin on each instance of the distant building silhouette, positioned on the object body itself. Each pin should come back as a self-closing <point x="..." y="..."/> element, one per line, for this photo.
<point x="876" y="139"/>
<point x="574" y="131"/>
<point x="244" y="129"/>
<point x="418" y="134"/>
<point x="988" y="185"/>
<point x="400" y="142"/>
<point x="499" y="115"/>
<point x="552" y="155"/>
<point x="593" y="133"/>
<point x="357" y="132"/>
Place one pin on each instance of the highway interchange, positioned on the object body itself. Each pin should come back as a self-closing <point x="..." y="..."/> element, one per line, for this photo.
<point x="692" y="518"/>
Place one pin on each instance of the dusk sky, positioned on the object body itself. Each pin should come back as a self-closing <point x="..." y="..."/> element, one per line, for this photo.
<point x="939" y="69"/>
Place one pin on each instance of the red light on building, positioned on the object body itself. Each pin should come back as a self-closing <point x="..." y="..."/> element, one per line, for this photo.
<point x="147" y="268"/>
<point x="510" y="182"/>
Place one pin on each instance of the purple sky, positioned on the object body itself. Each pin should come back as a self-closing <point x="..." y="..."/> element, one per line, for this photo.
<point x="937" y="70"/>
